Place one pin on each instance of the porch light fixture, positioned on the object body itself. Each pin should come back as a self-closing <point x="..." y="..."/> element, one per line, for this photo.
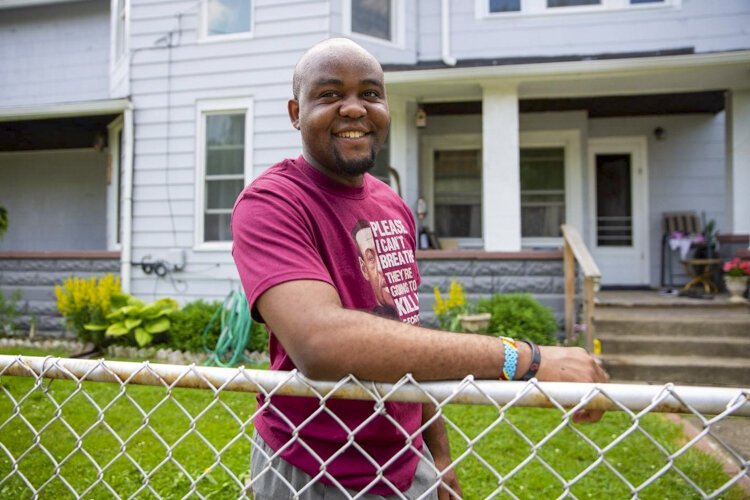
<point x="421" y="118"/>
<point x="660" y="134"/>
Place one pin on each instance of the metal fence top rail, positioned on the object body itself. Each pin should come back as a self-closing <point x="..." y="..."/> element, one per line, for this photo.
<point x="668" y="398"/>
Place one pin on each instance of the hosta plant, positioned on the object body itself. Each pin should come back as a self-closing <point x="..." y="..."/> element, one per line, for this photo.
<point x="131" y="316"/>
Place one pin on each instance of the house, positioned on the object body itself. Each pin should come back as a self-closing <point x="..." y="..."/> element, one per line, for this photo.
<point x="128" y="127"/>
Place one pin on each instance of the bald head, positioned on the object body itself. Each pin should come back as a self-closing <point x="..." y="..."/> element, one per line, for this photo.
<point x="326" y="50"/>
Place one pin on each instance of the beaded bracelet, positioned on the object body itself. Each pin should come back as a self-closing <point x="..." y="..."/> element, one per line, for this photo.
<point x="511" y="358"/>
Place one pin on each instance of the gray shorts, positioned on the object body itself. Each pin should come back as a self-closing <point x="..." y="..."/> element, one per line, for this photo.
<point x="280" y="480"/>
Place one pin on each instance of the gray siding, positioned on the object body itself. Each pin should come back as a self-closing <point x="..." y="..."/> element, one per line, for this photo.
<point x="54" y="53"/>
<point x="706" y="26"/>
<point x="165" y="85"/>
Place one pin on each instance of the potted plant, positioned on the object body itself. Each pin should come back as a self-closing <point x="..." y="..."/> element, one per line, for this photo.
<point x="736" y="272"/>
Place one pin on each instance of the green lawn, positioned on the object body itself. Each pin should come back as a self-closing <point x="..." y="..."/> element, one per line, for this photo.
<point x="175" y="417"/>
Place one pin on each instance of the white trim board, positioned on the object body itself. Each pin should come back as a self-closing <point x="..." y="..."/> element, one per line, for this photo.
<point x="42" y="111"/>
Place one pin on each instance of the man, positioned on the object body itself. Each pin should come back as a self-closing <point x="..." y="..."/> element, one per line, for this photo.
<point x="372" y="271"/>
<point x="301" y="272"/>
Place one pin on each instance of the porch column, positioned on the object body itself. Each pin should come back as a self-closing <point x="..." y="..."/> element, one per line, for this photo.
<point x="403" y="146"/>
<point x="738" y="159"/>
<point x="501" y="184"/>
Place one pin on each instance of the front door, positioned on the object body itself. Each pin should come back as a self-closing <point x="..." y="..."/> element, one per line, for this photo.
<point x="619" y="206"/>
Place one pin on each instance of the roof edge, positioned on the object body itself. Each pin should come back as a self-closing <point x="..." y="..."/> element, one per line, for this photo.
<point x="62" y="110"/>
<point x="540" y="67"/>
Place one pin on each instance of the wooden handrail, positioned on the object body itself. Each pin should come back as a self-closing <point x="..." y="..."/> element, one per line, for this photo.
<point x="575" y="250"/>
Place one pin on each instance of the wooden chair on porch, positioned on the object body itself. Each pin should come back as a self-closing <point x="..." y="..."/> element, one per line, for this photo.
<point x="698" y="268"/>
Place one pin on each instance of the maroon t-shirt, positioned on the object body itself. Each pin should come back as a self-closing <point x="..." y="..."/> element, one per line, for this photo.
<point x="294" y="223"/>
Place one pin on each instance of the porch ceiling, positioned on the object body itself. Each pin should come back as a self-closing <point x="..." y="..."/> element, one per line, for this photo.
<point x="56" y="133"/>
<point x="600" y="107"/>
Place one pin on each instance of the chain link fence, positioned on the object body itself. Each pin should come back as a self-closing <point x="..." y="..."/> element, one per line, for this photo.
<point x="102" y="429"/>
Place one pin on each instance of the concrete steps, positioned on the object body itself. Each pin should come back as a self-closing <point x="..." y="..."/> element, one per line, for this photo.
<point x="682" y="341"/>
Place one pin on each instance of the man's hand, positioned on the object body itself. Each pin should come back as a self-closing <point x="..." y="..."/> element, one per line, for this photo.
<point x="572" y="364"/>
<point x="451" y="479"/>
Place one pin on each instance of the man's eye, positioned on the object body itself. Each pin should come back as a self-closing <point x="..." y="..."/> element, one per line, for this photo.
<point x="372" y="94"/>
<point x="329" y="94"/>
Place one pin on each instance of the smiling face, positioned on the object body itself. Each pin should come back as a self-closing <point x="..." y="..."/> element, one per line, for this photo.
<point x="340" y="108"/>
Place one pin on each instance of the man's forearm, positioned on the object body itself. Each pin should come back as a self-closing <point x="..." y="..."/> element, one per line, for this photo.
<point x="327" y="341"/>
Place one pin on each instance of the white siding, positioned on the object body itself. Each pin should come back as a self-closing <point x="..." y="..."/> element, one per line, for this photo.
<point x="54" y="54"/>
<point x="705" y="26"/>
<point x="165" y="85"/>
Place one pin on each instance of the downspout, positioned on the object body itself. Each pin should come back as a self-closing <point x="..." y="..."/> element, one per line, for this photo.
<point x="127" y="200"/>
<point x="448" y="59"/>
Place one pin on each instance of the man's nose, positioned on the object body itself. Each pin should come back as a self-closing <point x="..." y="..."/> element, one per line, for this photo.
<point x="352" y="107"/>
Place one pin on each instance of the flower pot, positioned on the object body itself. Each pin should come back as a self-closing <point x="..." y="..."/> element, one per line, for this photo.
<point x="736" y="285"/>
<point x="474" y="323"/>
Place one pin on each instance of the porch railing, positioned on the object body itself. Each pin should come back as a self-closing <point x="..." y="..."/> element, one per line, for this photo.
<point x="575" y="250"/>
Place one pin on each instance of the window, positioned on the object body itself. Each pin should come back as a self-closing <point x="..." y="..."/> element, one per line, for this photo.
<point x="551" y="178"/>
<point x="571" y="3"/>
<point x="458" y="193"/>
<point x="375" y="20"/>
<point x="223" y="158"/>
<point x="499" y="8"/>
<point x="505" y="5"/>
<point x="222" y="18"/>
<point x="542" y="192"/>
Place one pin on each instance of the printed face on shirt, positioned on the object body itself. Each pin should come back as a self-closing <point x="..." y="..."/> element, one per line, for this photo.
<point x="341" y="109"/>
<point x="370" y="266"/>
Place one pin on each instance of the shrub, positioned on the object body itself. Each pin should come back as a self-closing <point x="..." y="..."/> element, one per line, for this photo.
<point x="189" y="324"/>
<point x="520" y="315"/>
<point x="133" y="319"/>
<point x="9" y="312"/>
<point x="190" y="330"/>
<point x="258" y="338"/>
<point x="82" y="301"/>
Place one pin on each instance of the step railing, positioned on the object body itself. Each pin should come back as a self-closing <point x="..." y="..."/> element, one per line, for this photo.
<point x="575" y="250"/>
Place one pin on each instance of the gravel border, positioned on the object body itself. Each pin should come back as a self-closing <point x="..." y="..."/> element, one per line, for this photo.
<point x="162" y="354"/>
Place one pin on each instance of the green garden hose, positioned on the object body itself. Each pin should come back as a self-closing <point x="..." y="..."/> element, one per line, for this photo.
<point x="235" y="332"/>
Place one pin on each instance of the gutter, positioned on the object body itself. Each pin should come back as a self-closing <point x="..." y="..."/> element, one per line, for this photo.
<point x="127" y="200"/>
<point x="445" y="18"/>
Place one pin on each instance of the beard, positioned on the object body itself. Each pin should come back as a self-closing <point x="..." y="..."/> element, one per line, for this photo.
<point x="354" y="168"/>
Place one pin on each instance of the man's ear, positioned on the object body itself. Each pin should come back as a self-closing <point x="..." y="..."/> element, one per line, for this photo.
<point x="293" y="109"/>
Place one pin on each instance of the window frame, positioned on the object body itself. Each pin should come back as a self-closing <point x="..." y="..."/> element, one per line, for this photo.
<point x="570" y="141"/>
<point x="539" y="8"/>
<point x="116" y="141"/>
<point x="398" y="25"/>
<point x="204" y="108"/>
<point x="204" y="37"/>
<point x="120" y="24"/>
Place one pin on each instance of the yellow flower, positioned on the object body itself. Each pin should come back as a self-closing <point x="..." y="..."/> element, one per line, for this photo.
<point x="439" y="307"/>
